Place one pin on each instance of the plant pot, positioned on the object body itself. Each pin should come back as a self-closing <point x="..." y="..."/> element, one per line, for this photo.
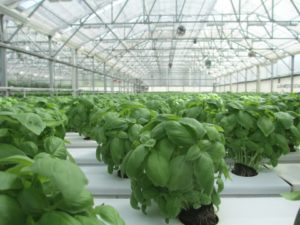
<point x="297" y="220"/>
<point x="292" y="148"/>
<point x="119" y="174"/>
<point x="205" y="215"/>
<point x="243" y="170"/>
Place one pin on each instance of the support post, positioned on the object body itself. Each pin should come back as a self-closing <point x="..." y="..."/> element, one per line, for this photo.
<point x="272" y="77"/>
<point x="75" y="73"/>
<point x="257" y="78"/>
<point x="292" y="72"/>
<point x="105" y="81"/>
<point x="230" y="80"/>
<point x="246" y="80"/>
<point x="50" y="66"/>
<point x="214" y="87"/>
<point x="3" y="71"/>
<point x="237" y="82"/>
<point x="93" y="74"/>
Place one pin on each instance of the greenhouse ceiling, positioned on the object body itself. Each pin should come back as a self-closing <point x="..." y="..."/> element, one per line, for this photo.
<point x="151" y="39"/>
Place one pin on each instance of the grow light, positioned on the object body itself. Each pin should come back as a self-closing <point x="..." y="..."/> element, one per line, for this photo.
<point x="181" y="30"/>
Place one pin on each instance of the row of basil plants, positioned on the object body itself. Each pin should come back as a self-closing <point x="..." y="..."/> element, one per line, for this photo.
<point x="39" y="184"/>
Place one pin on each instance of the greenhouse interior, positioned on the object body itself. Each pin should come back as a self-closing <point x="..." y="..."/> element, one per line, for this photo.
<point x="149" y="112"/>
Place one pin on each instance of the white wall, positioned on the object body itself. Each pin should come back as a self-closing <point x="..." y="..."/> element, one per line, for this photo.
<point x="265" y="86"/>
<point x="181" y="89"/>
<point x="281" y="68"/>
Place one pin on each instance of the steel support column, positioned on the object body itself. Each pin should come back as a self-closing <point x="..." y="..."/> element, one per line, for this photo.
<point x="272" y="77"/>
<point x="230" y="80"/>
<point x="112" y="86"/>
<point x="237" y="82"/>
<point x="246" y="80"/>
<point x="127" y="85"/>
<point x="3" y="72"/>
<point x="50" y="66"/>
<point x="104" y="78"/>
<point x="292" y="72"/>
<point x="93" y="74"/>
<point x="75" y="73"/>
<point x="258" y="81"/>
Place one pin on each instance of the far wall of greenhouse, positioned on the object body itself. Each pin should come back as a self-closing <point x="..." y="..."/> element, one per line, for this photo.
<point x="276" y="77"/>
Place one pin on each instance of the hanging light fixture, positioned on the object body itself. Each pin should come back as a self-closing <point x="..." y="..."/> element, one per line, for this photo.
<point x="251" y="53"/>
<point x="208" y="63"/>
<point x="181" y="30"/>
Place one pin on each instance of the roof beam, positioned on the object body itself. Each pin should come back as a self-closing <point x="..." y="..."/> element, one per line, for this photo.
<point x="295" y="6"/>
<point x="71" y="36"/>
<point x="120" y="12"/>
<point x="29" y="16"/>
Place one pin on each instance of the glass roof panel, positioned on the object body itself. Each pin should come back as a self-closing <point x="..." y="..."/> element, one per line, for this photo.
<point x="122" y="30"/>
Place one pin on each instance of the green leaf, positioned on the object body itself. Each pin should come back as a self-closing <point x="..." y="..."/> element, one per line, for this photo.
<point x="235" y="105"/>
<point x="135" y="161"/>
<point x="166" y="148"/>
<point x="193" y="112"/>
<point x="142" y="115"/>
<point x="134" y="202"/>
<point x="217" y="151"/>
<point x="158" y="132"/>
<point x="82" y="203"/>
<point x="117" y="150"/>
<point x="17" y="159"/>
<point x="285" y="119"/>
<point x="113" y="121"/>
<point x="31" y="121"/>
<point x="215" y="198"/>
<point x="33" y="200"/>
<point x="228" y="122"/>
<point x="212" y="133"/>
<point x="296" y="132"/>
<point x="57" y="218"/>
<point x="134" y="132"/>
<point x="266" y="125"/>
<point x="9" y="181"/>
<point x="245" y="120"/>
<point x="220" y="184"/>
<point x="282" y="142"/>
<point x="193" y="153"/>
<point x="55" y="147"/>
<point x="204" y="173"/>
<point x="196" y="127"/>
<point x="150" y="143"/>
<point x="10" y="211"/>
<point x="157" y="169"/>
<point x="7" y="150"/>
<point x="64" y="175"/>
<point x="3" y="132"/>
<point x="84" y="220"/>
<point x="170" y="207"/>
<point x="178" y="134"/>
<point x="293" y="196"/>
<point x="180" y="177"/>
<point x="109" y="215"/>
<point x="205" y="145"/>
<point x="29" y="148"/>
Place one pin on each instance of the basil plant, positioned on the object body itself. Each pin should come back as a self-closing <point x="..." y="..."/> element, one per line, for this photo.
<point x="179" y="165"/>
<point x="255" y="133"/>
